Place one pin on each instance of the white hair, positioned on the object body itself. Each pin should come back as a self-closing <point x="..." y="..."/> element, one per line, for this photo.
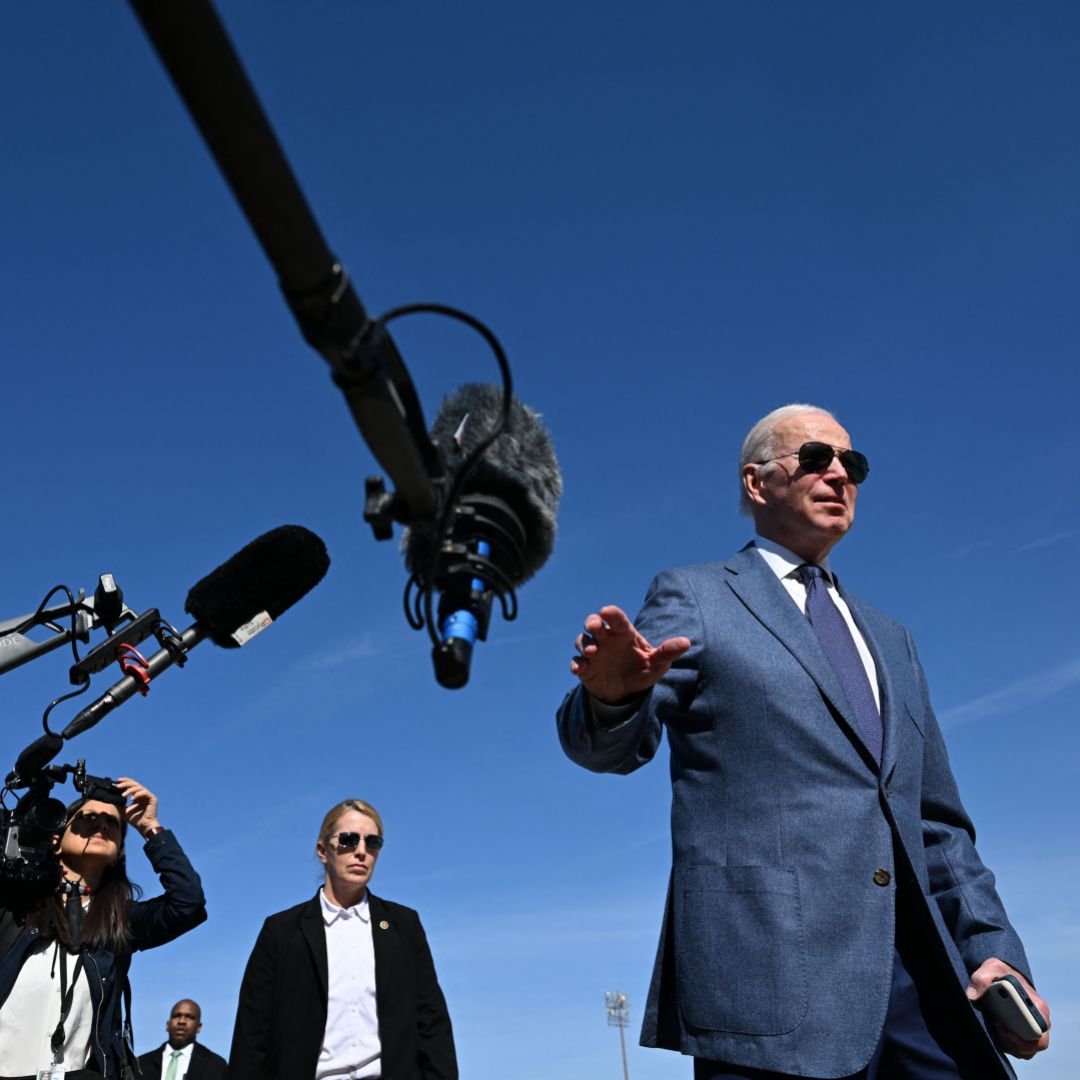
<point x="760" y="444"/>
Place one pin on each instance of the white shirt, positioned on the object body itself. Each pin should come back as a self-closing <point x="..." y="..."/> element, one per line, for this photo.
<point x="32" y="1012"/>
<point x="351" y="1048"/>
<point x="785" y="564"/>
<point x="183" y="1062"/>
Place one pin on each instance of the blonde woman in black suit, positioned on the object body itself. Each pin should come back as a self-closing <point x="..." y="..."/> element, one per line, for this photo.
<point x="343" y="985"/>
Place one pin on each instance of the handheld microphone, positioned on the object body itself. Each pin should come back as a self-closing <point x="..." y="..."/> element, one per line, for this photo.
<point x="231" y="605"/>
<point x="501" y="527"/>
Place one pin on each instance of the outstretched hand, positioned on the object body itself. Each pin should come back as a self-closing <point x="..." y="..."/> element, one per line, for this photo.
<point x="615" y="662"/>
<point x="981" y="981"/>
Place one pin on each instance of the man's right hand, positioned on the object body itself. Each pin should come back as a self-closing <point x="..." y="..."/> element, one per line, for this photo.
<point x="615" y="662"/>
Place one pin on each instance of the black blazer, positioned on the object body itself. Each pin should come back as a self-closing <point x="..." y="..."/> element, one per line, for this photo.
<point x="281" y="1015"/>
<point x="205" y="1064"/>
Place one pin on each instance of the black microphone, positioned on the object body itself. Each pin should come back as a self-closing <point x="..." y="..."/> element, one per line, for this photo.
<point x="502" y="523"/>
<point x="35" y="757"/>
<point x="231" y="605"/>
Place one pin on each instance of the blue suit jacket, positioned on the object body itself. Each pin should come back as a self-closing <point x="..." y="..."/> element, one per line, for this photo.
<point x="777" y="946"/>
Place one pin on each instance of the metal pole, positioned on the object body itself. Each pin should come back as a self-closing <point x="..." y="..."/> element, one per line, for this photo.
<point x="618" y="1014"/>
<point x="622" y="1043"/>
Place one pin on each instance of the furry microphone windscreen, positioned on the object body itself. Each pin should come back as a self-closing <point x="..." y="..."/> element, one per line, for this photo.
<point x="519" y="467"/>
<point x="270" y="574"/>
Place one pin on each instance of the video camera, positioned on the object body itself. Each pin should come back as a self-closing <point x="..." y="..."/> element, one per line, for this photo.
<point x="29" y="868"/>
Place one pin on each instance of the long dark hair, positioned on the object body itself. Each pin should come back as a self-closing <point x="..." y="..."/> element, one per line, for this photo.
<point x="107" y="924"/>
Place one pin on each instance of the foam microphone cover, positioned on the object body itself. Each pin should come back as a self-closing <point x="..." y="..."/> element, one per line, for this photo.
<point x="38" y="754"/>
<point x="270" y="574"/>
<point x="519" y="467"/>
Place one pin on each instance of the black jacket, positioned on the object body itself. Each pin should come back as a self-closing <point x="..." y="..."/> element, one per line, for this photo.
<point x="205" y="1064"/>
<point x="281" y="1016"/>
<point x="153" y="922"/>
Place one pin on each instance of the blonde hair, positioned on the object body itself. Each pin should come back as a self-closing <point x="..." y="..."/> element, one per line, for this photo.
<point x="334" y="813"/>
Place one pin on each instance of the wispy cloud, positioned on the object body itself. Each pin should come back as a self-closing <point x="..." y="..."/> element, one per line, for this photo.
<point x="359" y="648"/>
<point x="1046" y="541"/>
<point x="1021" y="694"/>
<point x="968" y="550"/>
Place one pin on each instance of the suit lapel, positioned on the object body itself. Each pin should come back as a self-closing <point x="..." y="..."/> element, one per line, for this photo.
<point x="311" y="926"/>
<point x="383" y="939"/>
<point x="751" y="579"/>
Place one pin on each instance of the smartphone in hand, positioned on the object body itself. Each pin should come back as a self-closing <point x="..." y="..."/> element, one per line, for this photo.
<point x="1008" y="1004"/>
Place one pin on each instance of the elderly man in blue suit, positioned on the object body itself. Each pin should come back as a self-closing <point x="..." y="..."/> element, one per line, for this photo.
<point x="828" y="915"/>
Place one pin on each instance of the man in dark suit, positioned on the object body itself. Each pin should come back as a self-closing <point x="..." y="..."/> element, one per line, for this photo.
<point x="828" y="914"/>
<point x="182" y="1058"/>
<point x="343" y="985"/>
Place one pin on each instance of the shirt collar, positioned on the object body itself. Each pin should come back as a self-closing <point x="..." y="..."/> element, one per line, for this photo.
<point x="331" y="912"/>
<point x="185" y="1052"/>
<point x="782" y="562"/>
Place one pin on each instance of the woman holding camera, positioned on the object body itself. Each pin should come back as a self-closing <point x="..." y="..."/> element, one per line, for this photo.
<point x="65" y="955"/>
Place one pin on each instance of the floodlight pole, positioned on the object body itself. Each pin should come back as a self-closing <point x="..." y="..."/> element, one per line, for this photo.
<point x="618" y="1014"/>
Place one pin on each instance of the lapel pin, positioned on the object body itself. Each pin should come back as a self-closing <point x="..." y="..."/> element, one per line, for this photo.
<point x="384" y="925"/>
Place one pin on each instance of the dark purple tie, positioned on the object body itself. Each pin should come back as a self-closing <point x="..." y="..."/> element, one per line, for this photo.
<point x="839" y="646"/>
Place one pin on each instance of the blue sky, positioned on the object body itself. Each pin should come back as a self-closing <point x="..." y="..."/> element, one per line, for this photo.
<point x="675" y="219"/>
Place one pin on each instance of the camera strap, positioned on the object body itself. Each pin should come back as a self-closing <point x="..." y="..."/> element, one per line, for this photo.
<point x="74" y="891"/>
<point x="67" y="996"/>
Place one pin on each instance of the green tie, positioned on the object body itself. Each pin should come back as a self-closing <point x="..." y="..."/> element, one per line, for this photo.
<point x="170" y="1072"/>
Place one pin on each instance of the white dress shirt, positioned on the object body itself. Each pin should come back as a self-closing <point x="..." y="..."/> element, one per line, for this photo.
<point x="351" y="1048"/>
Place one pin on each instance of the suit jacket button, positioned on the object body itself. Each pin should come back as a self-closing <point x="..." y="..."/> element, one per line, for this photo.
<point x="882" y="877"/>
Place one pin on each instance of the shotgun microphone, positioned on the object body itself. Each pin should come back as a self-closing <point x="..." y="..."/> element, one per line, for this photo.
<point x="231" y="605"/>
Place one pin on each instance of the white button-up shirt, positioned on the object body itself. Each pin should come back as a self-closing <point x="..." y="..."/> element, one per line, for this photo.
<point x="351" y="1048"/>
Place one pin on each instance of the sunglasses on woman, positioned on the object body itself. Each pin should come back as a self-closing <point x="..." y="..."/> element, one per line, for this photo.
<point x="87" y="822"/>
<point x="350" y="841"/>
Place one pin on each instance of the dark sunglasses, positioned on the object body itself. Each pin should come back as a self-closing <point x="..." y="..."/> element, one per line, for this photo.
<point x="350" y="841"/>
<point x="818" y="456"/>
<point x="87" y="821"/>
